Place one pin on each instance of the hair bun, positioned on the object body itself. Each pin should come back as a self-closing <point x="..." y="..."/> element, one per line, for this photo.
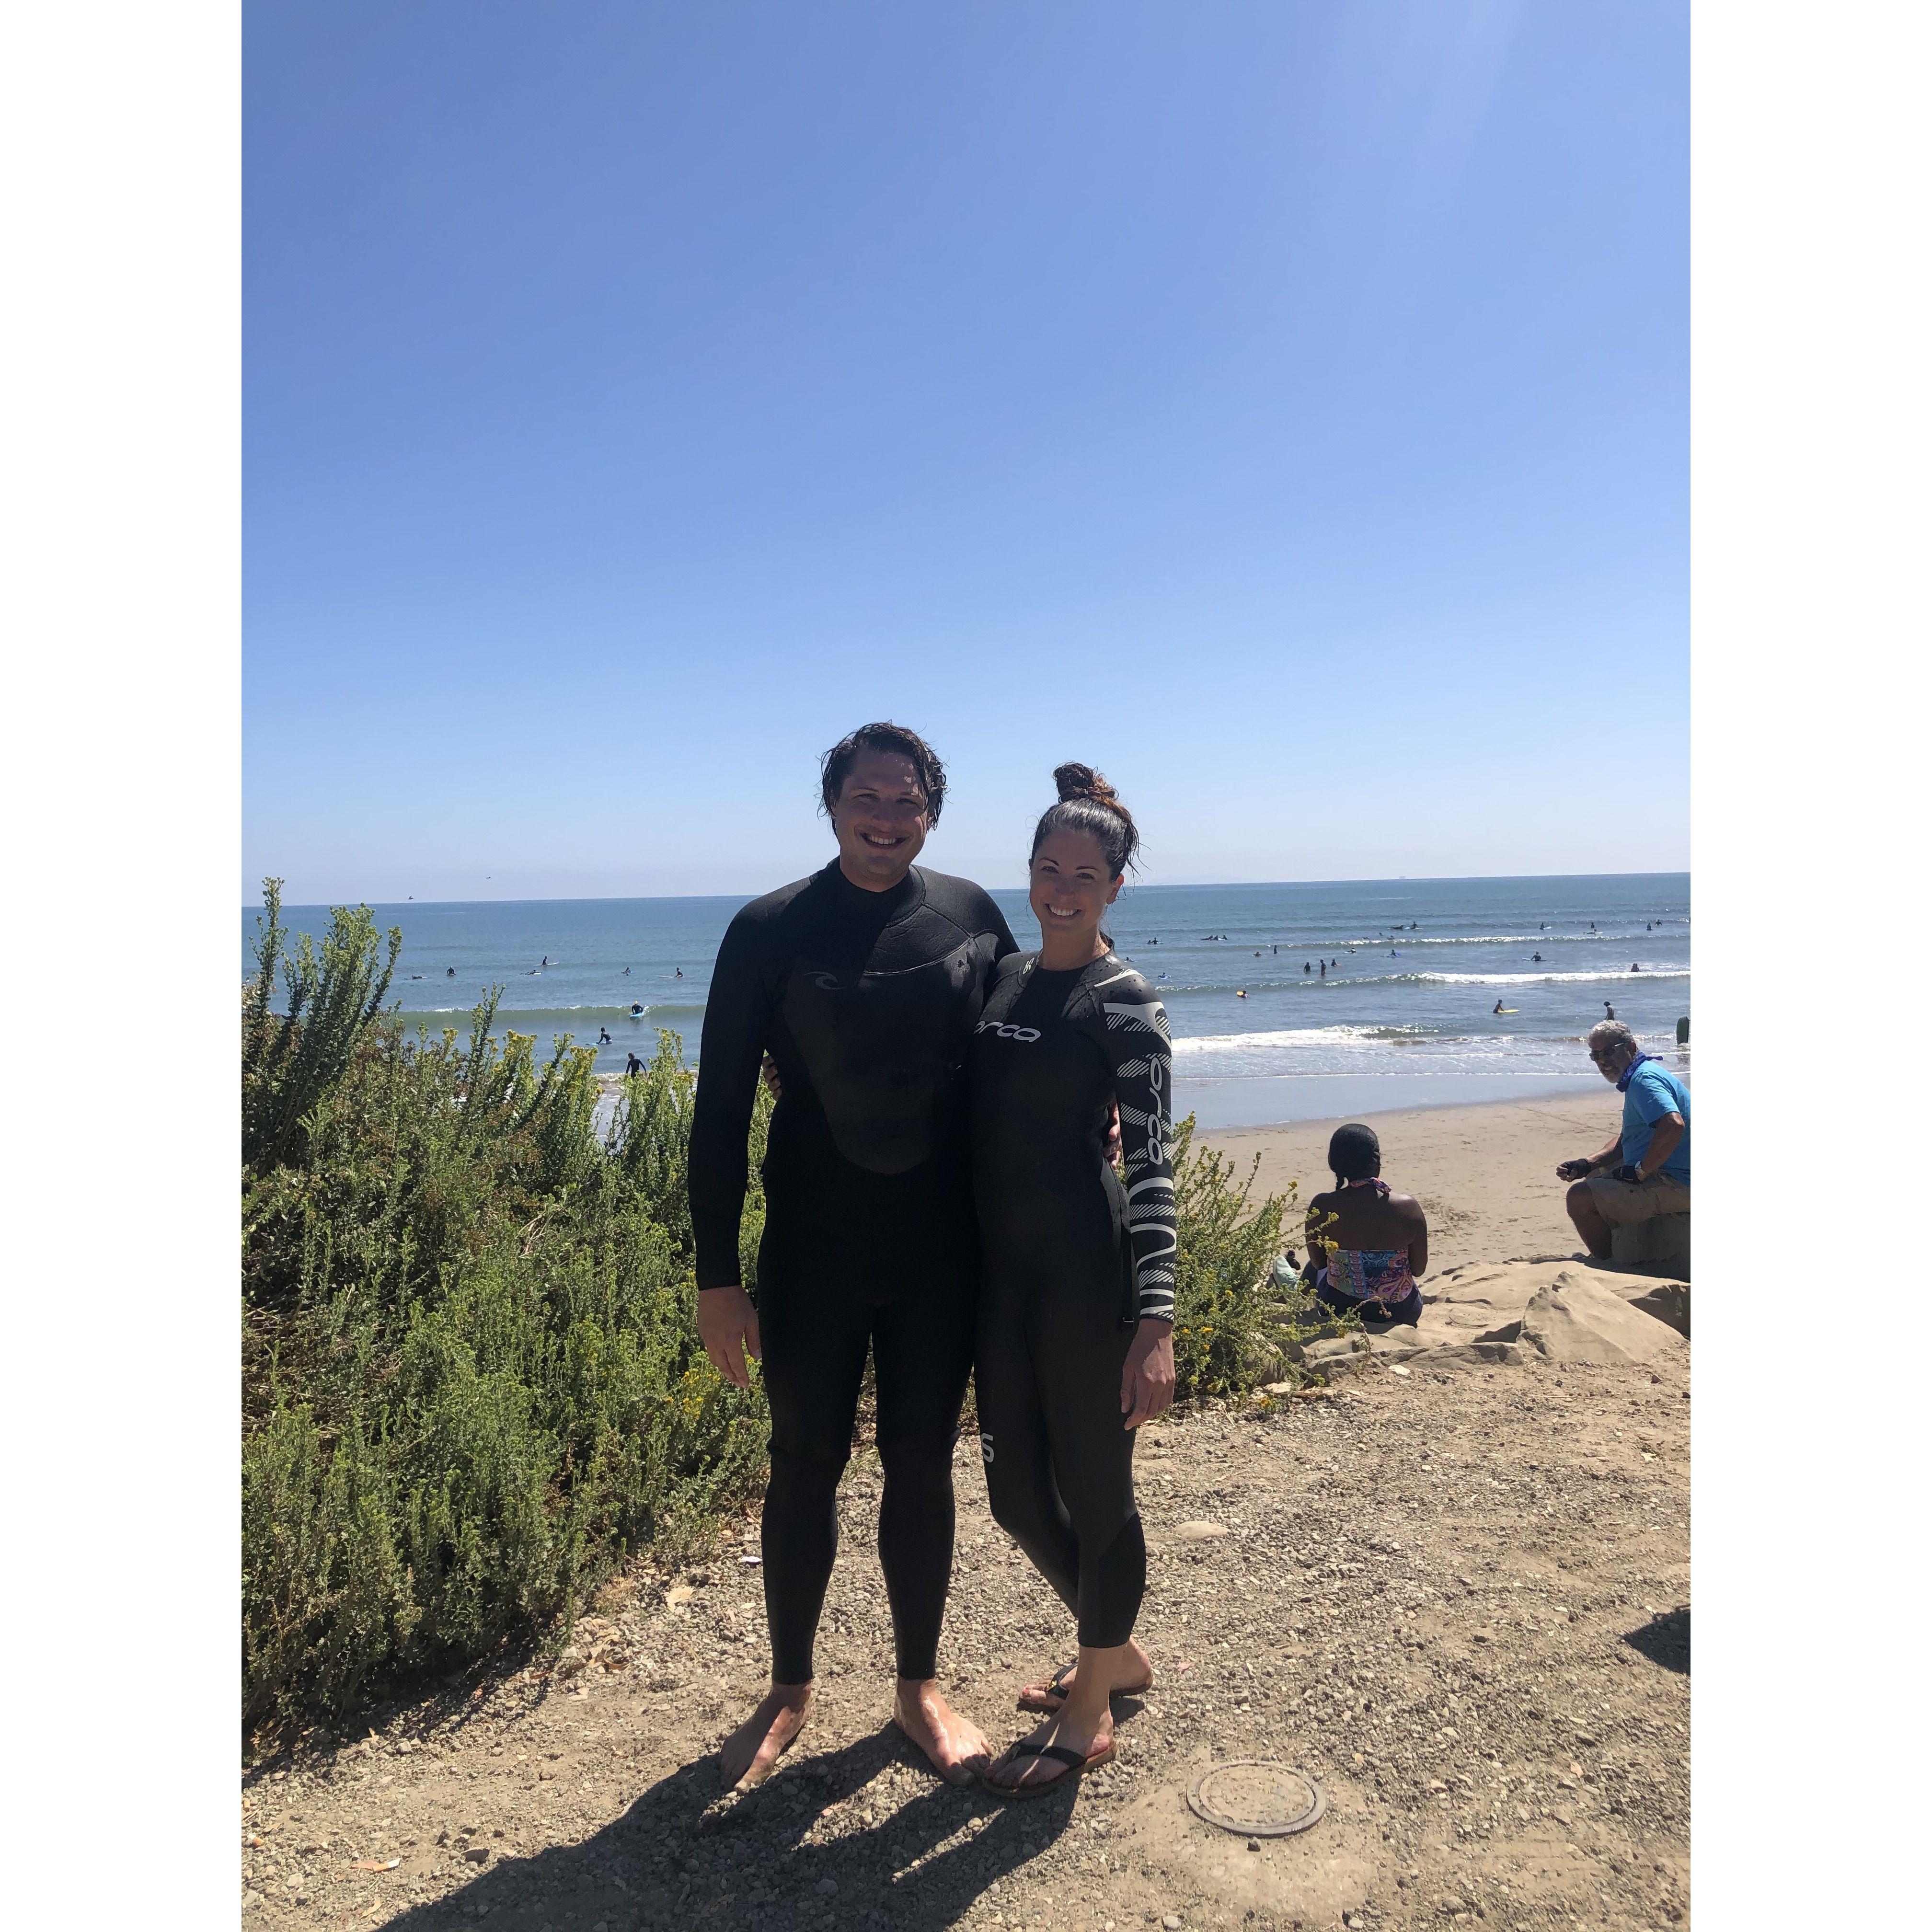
<point x="1083" y="782"/>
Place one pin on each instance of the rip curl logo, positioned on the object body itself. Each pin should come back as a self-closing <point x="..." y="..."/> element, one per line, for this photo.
<point x="1000" y="1032"/>
<point x="985" y="1448"/>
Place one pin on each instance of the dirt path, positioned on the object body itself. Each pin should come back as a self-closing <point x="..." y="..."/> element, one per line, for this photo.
<point x="1456" y="1597"/>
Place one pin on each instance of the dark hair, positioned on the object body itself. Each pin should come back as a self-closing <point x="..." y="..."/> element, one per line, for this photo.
<point x="1353" y="1152"/>
<point x="1089" y="804"/>
<point x="835" y="767"/>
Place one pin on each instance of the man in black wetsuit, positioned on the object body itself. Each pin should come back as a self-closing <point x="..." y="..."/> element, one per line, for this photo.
<point x="863" y="982"/>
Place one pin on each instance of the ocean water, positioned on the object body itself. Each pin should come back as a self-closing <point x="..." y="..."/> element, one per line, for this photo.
<point x="1405" y="1016"/>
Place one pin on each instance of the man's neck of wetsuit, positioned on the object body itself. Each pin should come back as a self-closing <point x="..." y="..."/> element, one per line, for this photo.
<point x="874" y="885"/>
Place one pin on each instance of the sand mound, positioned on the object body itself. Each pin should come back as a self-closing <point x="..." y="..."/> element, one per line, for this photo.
<point x="1551" y="1309"/>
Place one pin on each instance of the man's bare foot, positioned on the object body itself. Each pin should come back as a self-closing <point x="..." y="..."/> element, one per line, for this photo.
<point x="1018" y="1765"/>
<point x="959" y="1751"/>
<point x="1135" y="1673"/>
<point x="757" y="1744"/>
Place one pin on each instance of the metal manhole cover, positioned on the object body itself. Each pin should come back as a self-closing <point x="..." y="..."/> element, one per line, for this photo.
<point x="1255" y="1799"/>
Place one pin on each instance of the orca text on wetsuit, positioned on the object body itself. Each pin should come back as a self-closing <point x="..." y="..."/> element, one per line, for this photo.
<point x="865" y="1001"/>
<point x="1075" y="1258"/>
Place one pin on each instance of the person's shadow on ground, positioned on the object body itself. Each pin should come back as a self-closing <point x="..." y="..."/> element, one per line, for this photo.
<point x="1665" y="1639"/>
<point x="687" y="1853"/>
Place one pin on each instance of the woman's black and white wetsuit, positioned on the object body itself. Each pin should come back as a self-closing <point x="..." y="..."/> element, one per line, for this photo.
<point x="1074" y="1258"/>
<point x="866" y="1001"/>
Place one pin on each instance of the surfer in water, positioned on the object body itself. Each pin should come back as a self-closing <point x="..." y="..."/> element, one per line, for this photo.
<point x="603" y="1036"/>
<point x="1609" y="1011"/>
<point x="1497" y="1008"/>
<point x="452" y="973"/>
<point x="1536" y="959"/>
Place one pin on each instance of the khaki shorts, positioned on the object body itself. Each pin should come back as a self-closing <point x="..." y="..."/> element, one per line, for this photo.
<point x="1624" y="1203"/>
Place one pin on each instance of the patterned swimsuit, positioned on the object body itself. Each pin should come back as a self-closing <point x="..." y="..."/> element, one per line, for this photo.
<point x="1379" y="1275"/>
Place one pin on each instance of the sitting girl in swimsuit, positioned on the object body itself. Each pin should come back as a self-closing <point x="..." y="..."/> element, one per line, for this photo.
<point x="1366" y="1245"/>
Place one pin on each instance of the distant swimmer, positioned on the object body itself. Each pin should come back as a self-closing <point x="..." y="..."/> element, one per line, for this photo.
<point x="632" y="1064"/>
<point x="627" y="972"/>
<point x="1497" y="1008"/>
<point x="637" y="1011"/>
<point x="543" y="963"/>
<point x="1324" y="969"/>
<point x="1634" y="966"/>
<point x="1593" y="925"/>
<point x="1609" y="1011"/>
<point x="452" y="972"/>
<point x="1240" y="992"/>
<point x="1536" y="959"/>
<point x="603" y="1036"/>
<point x="1257" y="955"/>
<point x="1305" y="968"/>
<point x="680" y="972"/>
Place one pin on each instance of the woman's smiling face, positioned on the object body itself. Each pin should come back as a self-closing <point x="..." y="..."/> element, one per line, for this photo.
<point x="1072" y="887"/>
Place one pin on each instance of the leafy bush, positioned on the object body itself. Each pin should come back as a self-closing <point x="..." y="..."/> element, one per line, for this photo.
<point x="1227" y="1337"/>
<point x="471" y="1380"/>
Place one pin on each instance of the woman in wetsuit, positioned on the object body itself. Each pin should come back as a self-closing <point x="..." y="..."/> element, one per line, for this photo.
<point x="862" y="983"/>
<point x="1076" y="1309"/>
<point x="1366" y="1246"/>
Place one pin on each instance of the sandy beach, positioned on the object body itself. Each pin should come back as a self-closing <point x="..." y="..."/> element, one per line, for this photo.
<point x="1485" y="1175"/>
<point x="1453" y="1591"/>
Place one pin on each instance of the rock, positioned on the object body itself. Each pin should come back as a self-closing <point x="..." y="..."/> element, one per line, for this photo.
<point x="1172" y="1922"/>
<point x="1663" y="1243"/>
<point x="1198" y="1532"/>
<point x="570" y="1662"/>
<point x="1576" y="1318"/>
<point x="478" y="1854"/>
<point x="1335" y="1351"/>
<point x="1669" y="1302"/>
<point x="826" y="1887"/>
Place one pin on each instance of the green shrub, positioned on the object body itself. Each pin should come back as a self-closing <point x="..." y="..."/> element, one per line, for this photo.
<point x="471" y="1380"/>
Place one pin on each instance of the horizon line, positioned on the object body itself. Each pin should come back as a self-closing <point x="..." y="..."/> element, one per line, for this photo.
<point x="1187" y="885"/>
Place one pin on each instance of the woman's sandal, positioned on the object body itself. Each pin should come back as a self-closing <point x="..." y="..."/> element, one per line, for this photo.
<point x="1075" y="1763"/>
<point x="1049" y="1696"/>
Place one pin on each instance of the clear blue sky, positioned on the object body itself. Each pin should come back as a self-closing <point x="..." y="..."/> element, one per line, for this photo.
<point x="1284" y="407"/>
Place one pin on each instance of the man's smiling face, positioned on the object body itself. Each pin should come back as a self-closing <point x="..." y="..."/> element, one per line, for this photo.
<point x="879" y="819"/>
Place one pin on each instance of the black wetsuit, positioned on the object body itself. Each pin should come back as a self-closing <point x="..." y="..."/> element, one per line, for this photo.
<point x="865" y="1001"/>
<point x="1074" y="1258"/>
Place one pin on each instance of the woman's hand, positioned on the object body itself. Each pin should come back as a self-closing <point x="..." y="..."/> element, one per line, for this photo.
<point x="727" y="1325"/>
<point x="1147" y="1382"/>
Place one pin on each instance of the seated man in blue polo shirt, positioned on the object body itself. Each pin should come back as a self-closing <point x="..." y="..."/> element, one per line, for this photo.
<point x="1645" y="1170"/>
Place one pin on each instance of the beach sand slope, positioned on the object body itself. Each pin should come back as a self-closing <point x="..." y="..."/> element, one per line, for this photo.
<point x="1455" y="1593"/>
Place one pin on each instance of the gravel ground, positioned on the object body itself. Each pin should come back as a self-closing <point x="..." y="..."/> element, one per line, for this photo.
<point x="1456" y="1598"/>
